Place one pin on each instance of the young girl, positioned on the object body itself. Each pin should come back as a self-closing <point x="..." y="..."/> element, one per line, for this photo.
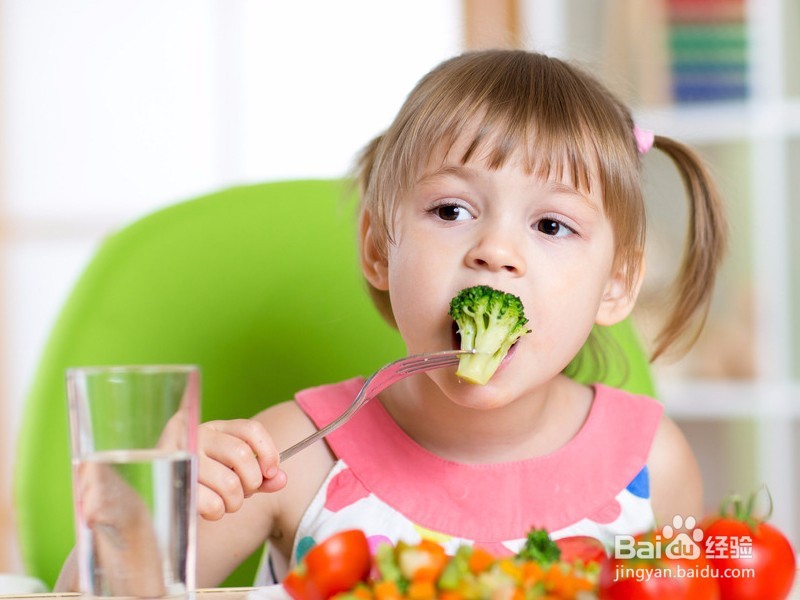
<point x="514" y="170"/>
<point x="517" y="171"/>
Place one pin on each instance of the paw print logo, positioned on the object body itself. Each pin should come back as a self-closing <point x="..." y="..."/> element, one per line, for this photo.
<point x="679" y="543"/>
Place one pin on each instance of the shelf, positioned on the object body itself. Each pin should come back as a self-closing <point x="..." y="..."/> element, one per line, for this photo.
<point x="719" y="122"/>
<point x="710" y="399"/>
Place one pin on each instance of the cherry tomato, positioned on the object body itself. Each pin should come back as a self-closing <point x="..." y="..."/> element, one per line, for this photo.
<point x="753" y="559"/>
<point x="335" y="565"/>
<point x="298" y="586"/>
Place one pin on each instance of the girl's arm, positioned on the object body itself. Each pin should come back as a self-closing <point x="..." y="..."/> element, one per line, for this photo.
<point x="236" y="518"/>
<point x="676" y="485"/>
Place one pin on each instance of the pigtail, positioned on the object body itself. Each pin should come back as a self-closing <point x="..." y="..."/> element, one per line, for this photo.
<point x="703" y="251"/>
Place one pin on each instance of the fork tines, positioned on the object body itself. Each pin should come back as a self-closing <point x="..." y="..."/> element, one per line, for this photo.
<point x="416" y="365"/>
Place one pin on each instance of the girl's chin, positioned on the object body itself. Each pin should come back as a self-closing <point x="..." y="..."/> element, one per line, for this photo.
<point x="476" y="396"/>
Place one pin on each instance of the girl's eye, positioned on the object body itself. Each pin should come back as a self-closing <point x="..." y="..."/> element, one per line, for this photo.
<point x="451" y="212"/>
<point x="553" y="228"/>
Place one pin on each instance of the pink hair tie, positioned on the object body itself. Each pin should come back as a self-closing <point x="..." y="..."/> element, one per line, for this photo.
<point x="644" y="139"/>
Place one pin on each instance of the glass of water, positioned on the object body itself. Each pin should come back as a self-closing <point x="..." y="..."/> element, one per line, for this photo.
<point x="133" y="435"/>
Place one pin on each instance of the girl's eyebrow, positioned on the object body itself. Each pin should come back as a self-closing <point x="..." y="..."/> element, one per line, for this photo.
<point x="462" y="171"/>
<point x="562" y="188"/>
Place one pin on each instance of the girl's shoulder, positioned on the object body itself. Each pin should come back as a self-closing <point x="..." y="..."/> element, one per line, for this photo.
<point x="634" y="416"/>
<point x="286" y="423"/>
<point x="616" y="398"/>
<point x="291" y="420"/>
<point x="675" y="477"/>
<point x="324" y="403"/>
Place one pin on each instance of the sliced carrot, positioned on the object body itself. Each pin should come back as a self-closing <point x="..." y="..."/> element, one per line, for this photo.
<point x="421" y="590"/>
<point x="435" y="560"/>
<point x="362" y="592"/>
<point x="480" y="560"/>
<point x="386" y="590"/>
<point x="531" y="573"/>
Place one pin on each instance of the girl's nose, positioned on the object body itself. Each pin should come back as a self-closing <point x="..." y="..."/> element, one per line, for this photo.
<point x="496" y="252"/>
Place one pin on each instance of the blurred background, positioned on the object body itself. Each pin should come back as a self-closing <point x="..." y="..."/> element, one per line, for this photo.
<point x="111" y="109"/>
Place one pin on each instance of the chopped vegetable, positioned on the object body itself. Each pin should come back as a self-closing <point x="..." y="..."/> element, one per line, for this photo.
<point x="540" y="548"/>
<point x="424" y="571"/>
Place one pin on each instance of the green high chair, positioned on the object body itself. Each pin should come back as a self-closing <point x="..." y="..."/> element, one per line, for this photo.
<point x="258" y="285"/>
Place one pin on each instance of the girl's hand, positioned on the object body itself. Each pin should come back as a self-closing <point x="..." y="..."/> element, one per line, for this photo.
<point x="236" y="460"/>
<point x="107" y="502"/>
<point x="126" y="546"/>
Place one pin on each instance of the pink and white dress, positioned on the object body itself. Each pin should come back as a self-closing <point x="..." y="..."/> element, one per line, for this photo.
<point x="393" y="489"/>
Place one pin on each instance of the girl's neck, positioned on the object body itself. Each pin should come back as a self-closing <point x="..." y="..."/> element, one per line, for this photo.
<point x="532" y="425"/>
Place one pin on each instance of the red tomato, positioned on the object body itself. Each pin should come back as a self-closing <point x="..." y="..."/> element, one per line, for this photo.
<point x="662" y="577"/>
<point x="581" y="547"/>
<point x="335" y="565"/>
<point x="678" y="586"/>
<point x="299" y="587"/>
<point x="734" y="544"/>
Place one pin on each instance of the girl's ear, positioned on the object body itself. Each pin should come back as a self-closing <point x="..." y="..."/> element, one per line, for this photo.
<point x="374" y="265"/>
<point x="619" y="298"/>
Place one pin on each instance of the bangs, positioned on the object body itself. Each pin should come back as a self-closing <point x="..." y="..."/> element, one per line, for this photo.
<point x="534" y="110"/>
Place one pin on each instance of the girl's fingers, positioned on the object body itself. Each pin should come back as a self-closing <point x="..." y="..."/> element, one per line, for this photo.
<point x="232" y="444"/>
<point x="209" y="504"/>
<point x="236" y="459"/>
<point x="274" y="484"/>
<point x="262" y="448"/>
<point x="222" y="481"/>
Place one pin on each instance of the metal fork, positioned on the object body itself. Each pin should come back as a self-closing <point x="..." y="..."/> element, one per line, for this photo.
<point x="377" y="382"/>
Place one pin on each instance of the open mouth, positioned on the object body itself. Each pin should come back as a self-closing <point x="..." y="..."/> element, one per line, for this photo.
<point x="510" y="352"/>
<point x="456" y="337"/>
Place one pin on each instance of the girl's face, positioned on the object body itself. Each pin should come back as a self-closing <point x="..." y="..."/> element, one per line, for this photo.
<point x="465" y="225"/>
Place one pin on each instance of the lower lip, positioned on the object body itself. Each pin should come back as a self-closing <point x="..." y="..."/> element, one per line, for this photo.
<point x="507" y="358"/>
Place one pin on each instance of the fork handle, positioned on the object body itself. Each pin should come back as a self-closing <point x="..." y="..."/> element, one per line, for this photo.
<point x="388" y="376"/>
<point x="292" y="450"/>
<point x="318" y="435"/>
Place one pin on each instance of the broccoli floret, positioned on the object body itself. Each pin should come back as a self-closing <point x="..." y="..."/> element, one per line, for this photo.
<point x="489" y="322"/>
<point x="540" y="547"/>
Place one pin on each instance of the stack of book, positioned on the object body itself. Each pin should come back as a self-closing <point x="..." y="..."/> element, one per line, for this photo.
<point x="708" y="50"/>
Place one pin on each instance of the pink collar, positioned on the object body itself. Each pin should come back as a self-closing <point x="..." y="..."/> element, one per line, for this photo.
<point x="492" y="502"/>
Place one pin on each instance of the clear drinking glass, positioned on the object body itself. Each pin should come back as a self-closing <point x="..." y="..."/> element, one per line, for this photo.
<point x="133" y="434"/>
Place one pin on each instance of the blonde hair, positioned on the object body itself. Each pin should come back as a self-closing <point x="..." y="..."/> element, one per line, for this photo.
<point x="566" y="125"/>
